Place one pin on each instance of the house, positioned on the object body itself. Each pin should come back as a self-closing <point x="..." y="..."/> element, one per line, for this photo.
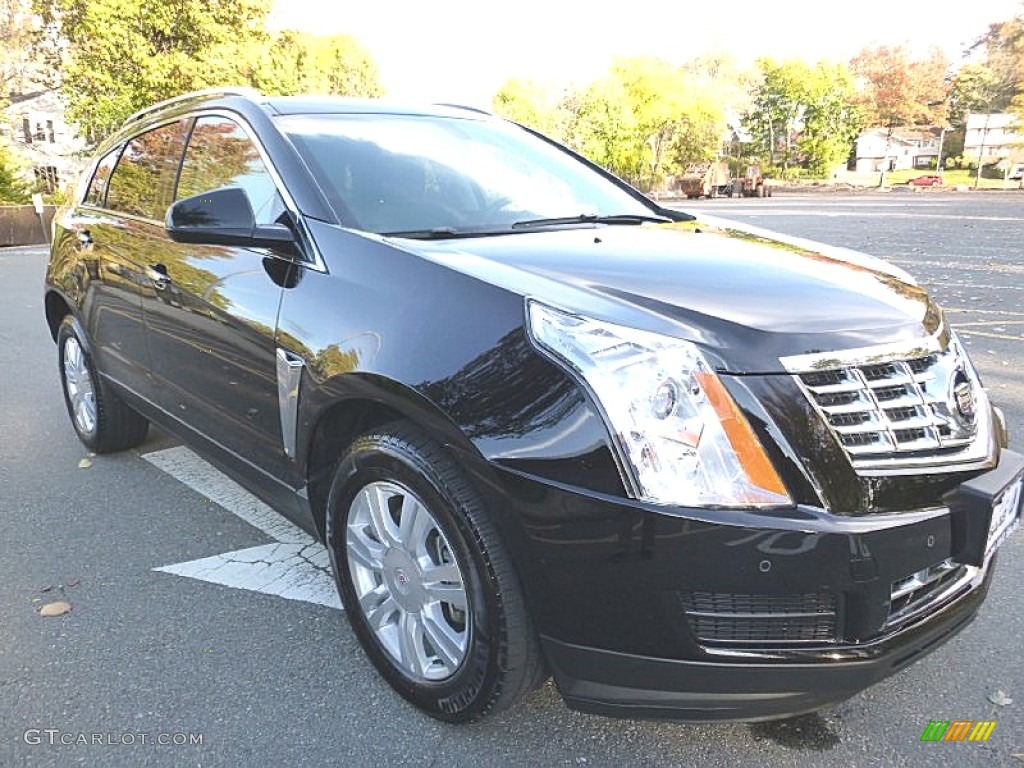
<point x="33" y="126"/>
<point x="992" y="137"/>
<point x="878" y="149"/>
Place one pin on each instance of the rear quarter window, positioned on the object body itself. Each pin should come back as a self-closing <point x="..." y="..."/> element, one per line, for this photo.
<point x="97" y="191"/>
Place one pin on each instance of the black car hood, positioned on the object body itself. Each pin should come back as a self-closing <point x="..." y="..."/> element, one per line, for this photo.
<point x="745" y="297"/>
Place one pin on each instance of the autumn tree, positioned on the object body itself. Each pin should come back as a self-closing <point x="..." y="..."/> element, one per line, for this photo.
<point x="900" y="90"/>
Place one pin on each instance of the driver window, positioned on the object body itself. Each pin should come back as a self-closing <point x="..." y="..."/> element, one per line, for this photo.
<point x="220" y="154"/>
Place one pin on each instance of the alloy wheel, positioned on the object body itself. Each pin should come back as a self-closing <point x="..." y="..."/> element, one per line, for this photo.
<point x="78" y="381"/>
<point x="410" y="588"/>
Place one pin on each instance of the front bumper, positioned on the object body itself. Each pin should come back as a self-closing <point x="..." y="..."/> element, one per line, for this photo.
<point x="730" y="615"/>
<point x="758" y="687"/>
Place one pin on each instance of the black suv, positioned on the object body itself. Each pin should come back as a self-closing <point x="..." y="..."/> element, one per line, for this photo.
<point x="544" y="425"/>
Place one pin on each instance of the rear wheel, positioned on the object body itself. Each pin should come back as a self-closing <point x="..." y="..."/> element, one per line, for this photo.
<point x="103" y="422"/>
<point x="428" y="587"/>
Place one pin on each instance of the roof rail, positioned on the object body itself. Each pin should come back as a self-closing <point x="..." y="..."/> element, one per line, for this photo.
<point x="463" y="106"/>
<point x="230" y="90"/>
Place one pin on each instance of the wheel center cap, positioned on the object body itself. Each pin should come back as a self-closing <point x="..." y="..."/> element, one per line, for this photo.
<point x="402" y="581"/>
<point x="403" y="578"/>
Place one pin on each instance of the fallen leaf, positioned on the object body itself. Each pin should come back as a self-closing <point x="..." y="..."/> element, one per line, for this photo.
<point x="73" y="583"/>
<point x="1000" y="699"/>
<point x="85" y="463"/>
<point x="58" y="608"/>
<point x="47" y="588"/>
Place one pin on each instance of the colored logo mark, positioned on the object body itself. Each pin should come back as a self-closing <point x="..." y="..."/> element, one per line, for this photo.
<point x="958" y="730"/>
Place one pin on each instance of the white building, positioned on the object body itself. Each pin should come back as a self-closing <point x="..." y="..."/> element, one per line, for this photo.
<point x="879" y="150"/>
<point x="33" y="126"/>
<point x="992" y="137"/>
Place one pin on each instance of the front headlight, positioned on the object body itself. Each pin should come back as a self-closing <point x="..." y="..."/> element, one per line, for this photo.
<point x="681" y="437"/>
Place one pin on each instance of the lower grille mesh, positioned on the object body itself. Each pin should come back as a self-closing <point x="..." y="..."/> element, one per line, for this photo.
<point x="716" y="617"/>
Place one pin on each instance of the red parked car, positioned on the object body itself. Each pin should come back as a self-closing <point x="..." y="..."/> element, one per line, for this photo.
<point x="930" y="180"/>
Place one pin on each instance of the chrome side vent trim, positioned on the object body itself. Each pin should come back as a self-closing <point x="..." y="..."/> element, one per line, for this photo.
<point x="289" y="376"/>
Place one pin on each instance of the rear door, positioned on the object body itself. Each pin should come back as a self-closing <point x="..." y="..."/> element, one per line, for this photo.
<point x="120" y="228"/>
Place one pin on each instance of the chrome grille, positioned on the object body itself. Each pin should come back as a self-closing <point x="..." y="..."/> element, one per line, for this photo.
<point x="925" y="590"/>
<point x="898" y="411"/>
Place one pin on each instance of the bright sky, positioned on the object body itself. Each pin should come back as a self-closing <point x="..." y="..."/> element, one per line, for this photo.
<point x="463" y="50"/>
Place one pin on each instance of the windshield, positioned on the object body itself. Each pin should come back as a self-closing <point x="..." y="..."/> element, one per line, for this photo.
<point x="428" y="175"/>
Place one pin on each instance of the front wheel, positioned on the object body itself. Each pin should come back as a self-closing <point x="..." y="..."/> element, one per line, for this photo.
<point x="103" y="422"/>
<point x="428" y="587"/>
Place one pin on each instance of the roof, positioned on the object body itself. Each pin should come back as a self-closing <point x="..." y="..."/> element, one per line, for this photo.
<point x="908" y="134"/>
<point x="994" y="121"/>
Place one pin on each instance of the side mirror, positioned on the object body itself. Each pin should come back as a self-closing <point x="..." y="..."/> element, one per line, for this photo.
<point x="222" y="217"/>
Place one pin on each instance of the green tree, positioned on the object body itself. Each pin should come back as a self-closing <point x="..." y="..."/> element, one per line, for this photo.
<point x="12" y="188"/>
<point x="117" y="56"/>
<point x="297" y="62"/>
<point x="777" y="108"/>
<point x="19" y="70"/>
<point x="532" y="104"/>
<point x="831" y="119"/>
<point x="1003" y="45"/>
<point x="601" y="125"/>
<point x="976" y="88"/>
<point x="653" y="119"/>
<point x="644" y="120"/>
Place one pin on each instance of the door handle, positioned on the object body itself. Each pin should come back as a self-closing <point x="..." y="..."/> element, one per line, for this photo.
<point x="158" y="274"/>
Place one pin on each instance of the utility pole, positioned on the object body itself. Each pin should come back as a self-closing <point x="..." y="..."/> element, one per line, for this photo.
<point x="981" y="147"/>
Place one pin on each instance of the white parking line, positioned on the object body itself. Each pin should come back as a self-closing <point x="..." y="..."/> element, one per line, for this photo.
<point x="295" y="566"/>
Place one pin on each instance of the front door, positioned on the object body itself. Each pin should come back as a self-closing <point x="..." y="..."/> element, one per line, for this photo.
<point x="211" y="323"/>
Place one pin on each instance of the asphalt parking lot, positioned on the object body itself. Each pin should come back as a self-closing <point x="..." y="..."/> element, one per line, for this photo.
<point x="270" y="674"/>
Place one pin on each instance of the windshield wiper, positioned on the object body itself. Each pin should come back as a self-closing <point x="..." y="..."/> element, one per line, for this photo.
<point x="592" y="218"/>
<point x="436" y="233"/>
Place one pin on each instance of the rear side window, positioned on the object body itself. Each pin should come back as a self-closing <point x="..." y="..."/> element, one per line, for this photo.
<point x="143" y="181"/>
<point x="98" y="185"/>
<point x="220" y="154"/>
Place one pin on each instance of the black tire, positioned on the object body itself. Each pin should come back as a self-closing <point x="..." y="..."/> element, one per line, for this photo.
<point x="501" y="659"/>
<point x="102" y="421"/>
<point x="759" y="190"/>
